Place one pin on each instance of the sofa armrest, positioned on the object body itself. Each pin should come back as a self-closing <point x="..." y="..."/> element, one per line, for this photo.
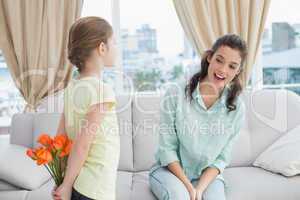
<point x="18" y="169"/>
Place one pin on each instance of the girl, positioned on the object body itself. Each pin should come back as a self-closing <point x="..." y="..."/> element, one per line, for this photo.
<point x="89" y="117"/>
<point x="199" y="124"/>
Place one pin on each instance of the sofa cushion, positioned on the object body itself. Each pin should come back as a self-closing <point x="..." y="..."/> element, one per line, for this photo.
<point x="43" y="192"/>
<point x="21" y="129"/>
<point x="45" y="123"/>
<point x="283" y="156"/>
<point x="31" y="176"/>
<point x="124" y="104"/>
<point x="14" y="195"/>
<point x="124" y="185"/>
<point x="140" y="186"/>
<point x="5" y="186"/>
<point x="242" y="149"/>
<point x="271" y="114"/>
<point x="145" y="117"/>
<point x="249" y="183"/>
<point x="48" y="123"/>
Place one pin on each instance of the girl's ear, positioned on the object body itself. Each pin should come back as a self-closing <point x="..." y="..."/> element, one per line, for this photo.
<point x="101" y="49"/>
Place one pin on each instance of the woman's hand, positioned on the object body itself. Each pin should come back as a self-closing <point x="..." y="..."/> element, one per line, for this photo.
<point x="63" y="192"/>
<point x="192" y="192"/>
<point x="199" y="194"/>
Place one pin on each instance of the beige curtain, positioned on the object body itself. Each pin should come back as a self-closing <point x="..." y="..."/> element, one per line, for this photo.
<point x="33" y="40"/>
<point x="205" y="20"/>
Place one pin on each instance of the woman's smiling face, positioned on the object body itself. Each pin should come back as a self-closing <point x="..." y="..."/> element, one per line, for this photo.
<point x="224" y="65"/>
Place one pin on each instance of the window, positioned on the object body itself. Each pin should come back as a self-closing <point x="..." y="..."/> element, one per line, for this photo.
<point x="154" y="48"/>
<point x="281" y="46"/>
<point x="11" y="101"/>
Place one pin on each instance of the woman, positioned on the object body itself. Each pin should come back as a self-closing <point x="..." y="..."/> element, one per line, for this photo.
<point x="199" y="123"/>
<point x="89" y="116"/>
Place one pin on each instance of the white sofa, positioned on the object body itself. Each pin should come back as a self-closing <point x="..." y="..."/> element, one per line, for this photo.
<point x="270" y="114"/>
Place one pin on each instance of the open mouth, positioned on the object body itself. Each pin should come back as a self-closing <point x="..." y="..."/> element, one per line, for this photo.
<point x="219" y="77"/>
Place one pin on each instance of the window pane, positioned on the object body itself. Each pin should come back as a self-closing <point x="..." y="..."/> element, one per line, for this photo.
<point x="97" y="8"/>
<point x="281" y="46"/>
<point x="154" y="48"/>
<point x="11" y="101"/>
<point x="101" y="9"/>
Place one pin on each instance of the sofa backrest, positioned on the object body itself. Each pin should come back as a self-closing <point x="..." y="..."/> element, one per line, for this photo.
<point x="269" y="115"/>
<point x="26" y="128"/>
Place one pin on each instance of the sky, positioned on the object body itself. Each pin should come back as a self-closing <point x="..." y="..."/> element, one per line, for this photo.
<point x="161" y="15"/>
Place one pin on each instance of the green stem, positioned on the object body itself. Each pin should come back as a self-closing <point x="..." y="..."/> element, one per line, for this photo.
<point x="58" y="167"/>
<point x="49" y="171"/>
<point x="52" y="167"/>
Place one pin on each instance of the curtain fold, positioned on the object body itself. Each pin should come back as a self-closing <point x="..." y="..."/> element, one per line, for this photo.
<point x="34" y="36"/>
<point x="205" y="20"/>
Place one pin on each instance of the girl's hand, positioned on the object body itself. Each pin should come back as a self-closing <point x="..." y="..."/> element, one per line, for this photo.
<point x="63" y="192"/>
<point x="53" y="193"/>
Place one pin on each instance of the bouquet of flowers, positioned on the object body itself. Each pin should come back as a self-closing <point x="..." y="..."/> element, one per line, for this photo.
<point x="53" y="154"/>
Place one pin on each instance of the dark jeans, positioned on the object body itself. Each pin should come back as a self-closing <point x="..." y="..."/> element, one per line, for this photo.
<point x="77" y="196"/>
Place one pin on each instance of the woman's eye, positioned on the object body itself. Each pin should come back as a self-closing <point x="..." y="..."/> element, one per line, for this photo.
<point x="232" y="66"/>
<point x="219" y="61"/>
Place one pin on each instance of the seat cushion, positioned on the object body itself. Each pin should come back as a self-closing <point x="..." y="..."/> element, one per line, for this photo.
<point x="5" y="186"/>
<point x="124" y="185"/>
<point x="140" y="186"/>
<point x="251" y="183"/>
<point x="13" y="195"/>
<point x="44" y="192"/>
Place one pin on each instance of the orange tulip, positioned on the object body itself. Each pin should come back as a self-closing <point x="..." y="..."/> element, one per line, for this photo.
<point x="51" y="154"/>
<point x="43" y="156"/>
<point x="31" y="153"/>
<point x="60" y="141"/>
<point x="67" y="149"/>
<point x="45" y="140"/>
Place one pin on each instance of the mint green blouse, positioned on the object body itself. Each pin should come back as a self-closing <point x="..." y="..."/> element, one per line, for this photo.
<point x="195" y="136"/>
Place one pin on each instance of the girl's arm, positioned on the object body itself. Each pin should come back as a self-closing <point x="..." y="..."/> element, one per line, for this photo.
<point x="61" y="125"/>
<point x="82" y="142"/>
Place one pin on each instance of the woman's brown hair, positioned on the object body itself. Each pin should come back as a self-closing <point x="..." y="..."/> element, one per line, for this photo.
<point x="235" y="42"/>
<point x="85" y="35"/>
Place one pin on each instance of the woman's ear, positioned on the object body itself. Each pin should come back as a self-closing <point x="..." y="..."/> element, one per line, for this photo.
<point x="208" y="58"/>
<point x="208" y="55"/>
<point x="239" y="71"/>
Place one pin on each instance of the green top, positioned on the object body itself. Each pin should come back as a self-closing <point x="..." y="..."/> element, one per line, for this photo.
<point x="97" y="177"/>
<point x="195" y="136"/>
